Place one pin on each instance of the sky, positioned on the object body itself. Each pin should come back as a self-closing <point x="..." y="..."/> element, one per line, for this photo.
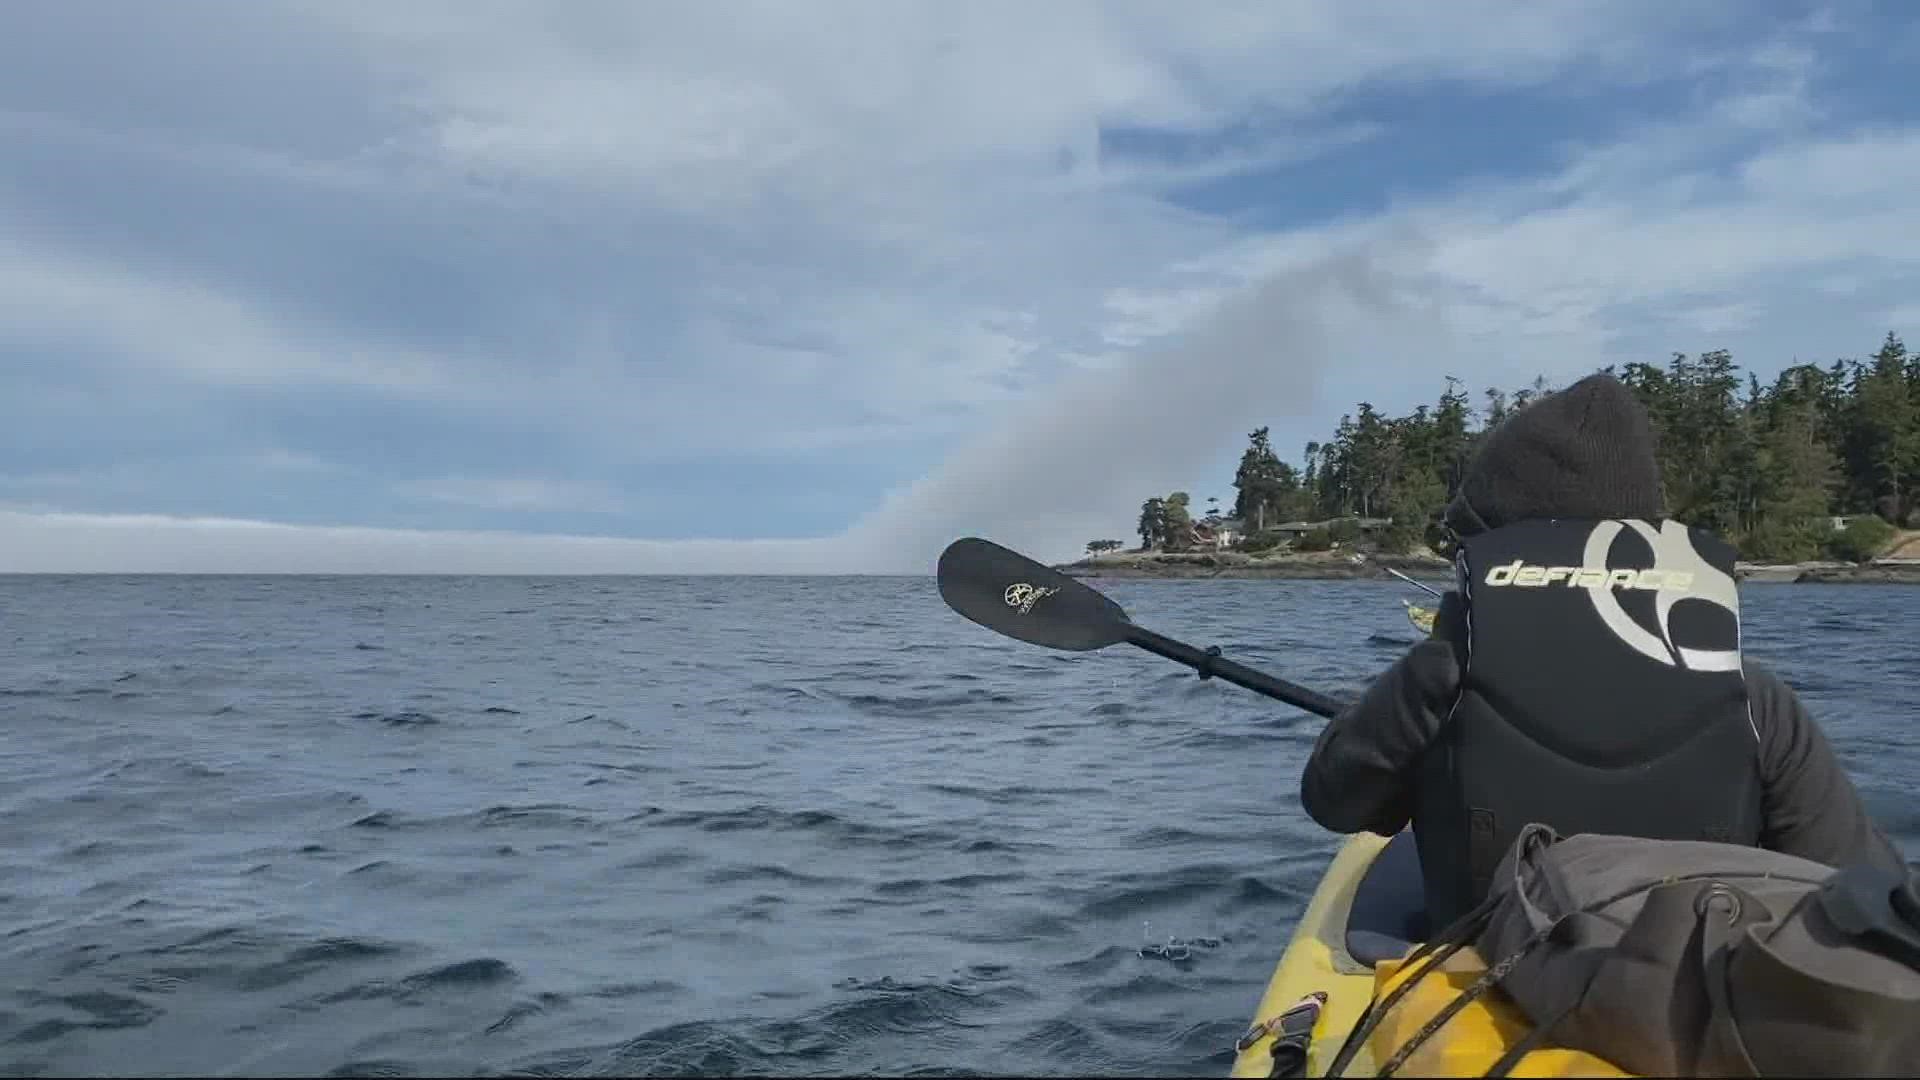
<point x="766" y="287"/>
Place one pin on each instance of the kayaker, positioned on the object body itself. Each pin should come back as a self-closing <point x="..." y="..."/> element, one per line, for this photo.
<point x="1567" y="714"/>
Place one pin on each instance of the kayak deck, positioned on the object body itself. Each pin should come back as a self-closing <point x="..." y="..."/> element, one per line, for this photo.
<point x="1369" y="906"/>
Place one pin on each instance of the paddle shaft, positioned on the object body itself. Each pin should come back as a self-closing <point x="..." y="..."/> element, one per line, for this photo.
<point x="1213" y="665"/>
<point x="1430" y="590"/>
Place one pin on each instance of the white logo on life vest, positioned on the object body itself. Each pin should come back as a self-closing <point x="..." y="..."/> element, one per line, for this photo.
<point x="1678" y="573"/>
<point x="1674" y="555"/>
<point x="1526" y="576"/>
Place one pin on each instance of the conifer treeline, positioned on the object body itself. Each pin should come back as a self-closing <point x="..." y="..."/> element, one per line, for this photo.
<point x="1767" y="466"/>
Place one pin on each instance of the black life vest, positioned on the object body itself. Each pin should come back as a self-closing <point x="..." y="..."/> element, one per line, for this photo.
<point x="1601" y="692"/>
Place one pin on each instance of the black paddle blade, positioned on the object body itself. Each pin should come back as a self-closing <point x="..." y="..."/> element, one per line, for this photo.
<point x="1011" y="594"/>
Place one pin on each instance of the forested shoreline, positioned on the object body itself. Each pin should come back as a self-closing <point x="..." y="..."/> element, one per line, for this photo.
<point x="1768" y="466"/>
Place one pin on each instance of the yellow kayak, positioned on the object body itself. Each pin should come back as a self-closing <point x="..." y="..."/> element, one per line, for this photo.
<point x="1420" y="617"/>
<point x="1366" y="915"/>
<point x="1317" y="960"/>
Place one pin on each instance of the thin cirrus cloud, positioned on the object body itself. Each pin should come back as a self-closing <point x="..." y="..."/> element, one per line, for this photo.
<point x="498" y="287"/>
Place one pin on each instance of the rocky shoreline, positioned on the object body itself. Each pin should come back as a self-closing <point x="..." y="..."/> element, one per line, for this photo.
<point x="1331" y="566"/>
<point x="1901" y="573"/>
<point x="1319" y="566"/>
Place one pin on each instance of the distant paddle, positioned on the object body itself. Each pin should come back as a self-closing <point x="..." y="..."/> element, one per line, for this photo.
<point x="1010" y="594"/>
<point x="1359" y="560"/>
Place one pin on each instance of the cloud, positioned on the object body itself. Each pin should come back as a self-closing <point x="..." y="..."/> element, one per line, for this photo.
<point x="60" y="542"/>
<point x="514" y="493"/>
<point x="710" y="111"/>
<point x="188" y="330"/>
<point x="490" y="268"/>
<point x="1903" y="320"/>
<point x="1072" y="465"/>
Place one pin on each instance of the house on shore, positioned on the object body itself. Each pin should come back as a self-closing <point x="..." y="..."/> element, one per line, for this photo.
<point x="1216" y="532"/>
<point x="1368" y="526"/>
<point x="1221" y="533"/>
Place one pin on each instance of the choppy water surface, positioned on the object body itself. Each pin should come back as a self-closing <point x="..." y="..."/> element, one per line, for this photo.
<point x="258" y="826"/>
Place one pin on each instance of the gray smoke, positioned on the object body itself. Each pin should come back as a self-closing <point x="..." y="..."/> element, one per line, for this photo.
<point x="1074" y="465"/>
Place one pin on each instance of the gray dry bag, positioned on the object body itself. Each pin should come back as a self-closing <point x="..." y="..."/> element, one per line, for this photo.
<point x="1693" y="958"/>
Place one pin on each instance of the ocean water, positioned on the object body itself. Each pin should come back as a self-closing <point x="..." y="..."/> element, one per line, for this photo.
<point x="486" y="826"/>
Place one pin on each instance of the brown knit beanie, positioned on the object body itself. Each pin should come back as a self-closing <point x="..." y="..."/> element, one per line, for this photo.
<point x="1583" y="452"/>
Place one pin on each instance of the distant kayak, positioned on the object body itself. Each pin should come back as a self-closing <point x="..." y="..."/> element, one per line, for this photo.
<point x="1420" y="617"/>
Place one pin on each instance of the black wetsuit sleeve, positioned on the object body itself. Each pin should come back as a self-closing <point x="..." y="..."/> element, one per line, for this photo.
<point x="1360" y="776"/>
<point x="1811" y="807"/>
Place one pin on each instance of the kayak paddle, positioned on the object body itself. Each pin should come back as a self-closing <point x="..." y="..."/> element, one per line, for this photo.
<point x="1428" y="589"/>
<point x="1421" y="585"/>
<point x="1010" y="594"/>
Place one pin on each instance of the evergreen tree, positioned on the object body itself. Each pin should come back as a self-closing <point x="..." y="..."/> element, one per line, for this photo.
<point x="1496" y="407"/>
<point x="1153" y="523"/>
<point x="1765" y="465"/>
<point x="1310" y="481"/>
<point x="1268" y="488"/>
<point x="1452" y="437"/>
<point x="1793" y="471"/>
<point x="1176" y="523"/>
<point x="1881" y="446"/>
